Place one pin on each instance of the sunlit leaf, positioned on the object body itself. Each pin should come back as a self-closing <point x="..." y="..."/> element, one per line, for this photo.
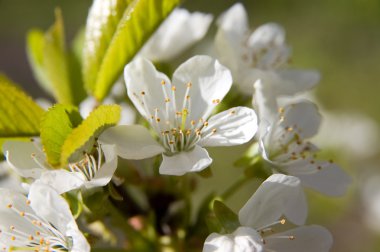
<point x="115" y="32"/>
<point x="84" y="135"/>
<point x="55" y="68"/>
<point x="19" y="114"/>
<point x="56" y="125"/>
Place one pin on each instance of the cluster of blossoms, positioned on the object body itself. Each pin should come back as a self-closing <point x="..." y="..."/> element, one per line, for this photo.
<point x="181" y="122"/>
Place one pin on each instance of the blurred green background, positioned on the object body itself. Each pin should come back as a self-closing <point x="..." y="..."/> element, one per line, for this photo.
<point x="340" y="38"/>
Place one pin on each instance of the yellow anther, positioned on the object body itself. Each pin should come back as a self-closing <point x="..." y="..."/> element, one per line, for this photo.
<point x="163" y="82"/>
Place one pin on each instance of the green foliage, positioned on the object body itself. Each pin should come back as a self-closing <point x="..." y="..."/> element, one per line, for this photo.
<point x="56" y="125"/>
<point x="84" y="135"/>
<point x="227" y="218"/>
<point x="19" y="114"/>
<point x="55" y="68"/>
<point x="111" y="44"/>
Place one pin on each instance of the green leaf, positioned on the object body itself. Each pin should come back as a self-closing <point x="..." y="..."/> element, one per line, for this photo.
<point x="84" y="135"/>
<point x="35" y="51"/>
<point x="19" y="114"/>
<point x="55" y="68"/>
<point x="124" y="28"/>
<point x="227" y="218"/>
<point x="56" y="125"/>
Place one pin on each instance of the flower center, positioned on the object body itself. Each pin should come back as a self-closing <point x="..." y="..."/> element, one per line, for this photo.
<point x="285" y="144"/>
<point x="33" y="233"/>
<point x="268" y="230"/>
<point x="89" y="165"/>
<point x="175" y="126"/>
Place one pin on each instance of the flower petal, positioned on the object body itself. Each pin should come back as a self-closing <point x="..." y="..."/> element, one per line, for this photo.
<point x="131" y="141"/>
<point x="267" y="34"/>
<point x="233" y="26"/>
<point x="19" y="157"/>
<point x="62" y="180"/>
<point x="309" y="238"/>
<point x="265" y="103"/>
<point x="244" y="239"/>
<point x="144" y="87"/>
<point x="183" y="162"/>
<point x="235" y="19"/>
<point x="177" y="33"/>
<point x="231" y="127"/>
<point x="278" y="195"/>
<point x="49" y="205"/>
<point x="80" y="243"/>
<point x="329" y="179"/>
<point x="291" y="81"/>
<point x="210" y="82"/>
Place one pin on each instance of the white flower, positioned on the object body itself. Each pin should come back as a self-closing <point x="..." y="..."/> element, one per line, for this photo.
<point x="41" y="222"/>
<point x="262" y="54"/>
<point x="179" y="112"/>
<point x="286" y="149"/>
<point x="278" y="196"/>
<point x="177" y="33"/>
<point x="29" y="161"/>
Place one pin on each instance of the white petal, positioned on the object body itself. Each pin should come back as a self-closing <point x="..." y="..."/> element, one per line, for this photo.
<point x="309" y="238"/>
<point x="176" y="34"/>
<point x="330" y="179"/>
<point x="275" y="197"/>
<point x="291" y="81"/>
<point x="302" y="117"/>
<point x="267" y="33"/>
<point x="185" y="161"/>
<point x="131" y="141"/>
<point x="87" y="106"/>
<point x="48" y="204"/>
<point x="8" y="179"/>
<point x="62" y="180"/>
<point x="234" y="126"/>
<point x="210" y="83"/>
<point x="19" y="157"/>
<point x="234" y="20"/>
<point x="244" y="239"/>
<point x="144" y="87"/>
<point x="80" y="243"/>
<point x="233" y="26"/>
<point x="9" y="217"/>
<point x="128" y="114"/>
<point x="108" y="168"/>
<point x="264" y="101"/>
